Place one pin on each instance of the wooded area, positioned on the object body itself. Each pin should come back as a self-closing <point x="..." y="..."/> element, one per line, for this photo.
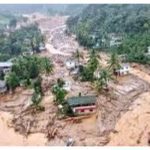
<point x="96" y="24"/>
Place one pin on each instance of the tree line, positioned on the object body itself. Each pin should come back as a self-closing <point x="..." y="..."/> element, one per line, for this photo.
<point x="21" y="40"/>
<point x="95" y="23"/>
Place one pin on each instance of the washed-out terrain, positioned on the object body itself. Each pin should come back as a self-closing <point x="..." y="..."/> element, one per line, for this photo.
<point x="122" y="117"/>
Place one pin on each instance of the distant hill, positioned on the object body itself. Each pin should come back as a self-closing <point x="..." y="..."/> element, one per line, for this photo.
<point x="124" y="28"/>
<point x="98" y="20"/>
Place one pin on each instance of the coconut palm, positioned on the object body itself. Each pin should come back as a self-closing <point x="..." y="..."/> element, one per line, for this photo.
<point x="93" y="62"/>
<point x="102" y="81"/>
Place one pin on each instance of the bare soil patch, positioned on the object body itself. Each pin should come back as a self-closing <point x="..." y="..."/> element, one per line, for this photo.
<point x="125" y="92"/>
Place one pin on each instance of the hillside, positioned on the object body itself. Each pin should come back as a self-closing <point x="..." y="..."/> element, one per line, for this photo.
<point x="97" y="25"/>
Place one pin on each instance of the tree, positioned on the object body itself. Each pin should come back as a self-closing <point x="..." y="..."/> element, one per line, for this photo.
<point x="21" y="40"/>
<point x="29" y="67"/>
<point x="93" y="62"/>
<point x="102" y="81"/>
<point x="12" y="80"/>
<point x="114" y="62"/>
<point x="87" y="73"/>
<point x="59" y="93"/>
<point x="96" y="22"/>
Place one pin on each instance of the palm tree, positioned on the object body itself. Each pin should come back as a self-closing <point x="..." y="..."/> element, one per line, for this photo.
<point x="93" y="62"/>
<point x="102" y="81"/>
<point x="114" y="62"/>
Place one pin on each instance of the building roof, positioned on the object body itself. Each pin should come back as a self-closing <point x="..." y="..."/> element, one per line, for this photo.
<point x="81" y="100"/>
<point x="5" y="64"/>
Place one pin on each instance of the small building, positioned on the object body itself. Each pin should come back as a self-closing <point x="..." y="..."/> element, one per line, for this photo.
<point x="70" y="64"/>
<point x="5" y="67"/>
<point x="124" y="70"/>
<point x="3" y="87"/>
<point x="82" y="104"/>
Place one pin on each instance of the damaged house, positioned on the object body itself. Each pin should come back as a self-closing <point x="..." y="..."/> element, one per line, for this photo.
<point x="82" y="104"/>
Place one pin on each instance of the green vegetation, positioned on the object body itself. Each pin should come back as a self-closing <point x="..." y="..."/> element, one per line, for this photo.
<point x="37" y="95"/>
<point x="30" y="67"/>
<point x="114" y="62"/>
<point x="12" y="80"/>
<point x="26" y="71"/>
<point x="27" y="68"/>
<point x="59" y="92"/>
<point x="135" y="47"/>
<point x="24" y="39"/>
<point x="88" y="71"/>
<point x="102" y="81"/>
<point x="100" y="76"/>
<point x="97" y="25"/>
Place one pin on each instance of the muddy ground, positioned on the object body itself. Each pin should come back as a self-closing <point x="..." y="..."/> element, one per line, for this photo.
<point x="115" y="109"/>
<point x="94" y="130"/>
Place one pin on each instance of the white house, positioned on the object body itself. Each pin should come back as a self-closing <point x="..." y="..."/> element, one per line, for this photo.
<point x="124" y="70"/>
<point x="70" y="64"/>
<point x="3" y="87"/>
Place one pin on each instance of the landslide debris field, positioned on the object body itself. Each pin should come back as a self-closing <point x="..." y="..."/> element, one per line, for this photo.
<point x="115" y="109"/>
<point x="93" y="130"/>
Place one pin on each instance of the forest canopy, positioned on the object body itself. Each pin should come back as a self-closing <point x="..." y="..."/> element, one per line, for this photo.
<point x="96" y="24"/>
<point x="21" y="40"/>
